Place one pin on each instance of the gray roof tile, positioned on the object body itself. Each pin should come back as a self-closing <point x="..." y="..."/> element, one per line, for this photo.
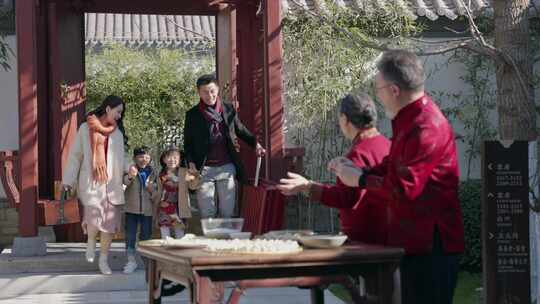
<point x="199" y="30"/>
<point x="148" y="29"/>
<point x="431" y="9"/>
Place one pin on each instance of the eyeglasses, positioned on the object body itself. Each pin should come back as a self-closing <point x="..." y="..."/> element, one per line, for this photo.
<point x="376" y="88"/>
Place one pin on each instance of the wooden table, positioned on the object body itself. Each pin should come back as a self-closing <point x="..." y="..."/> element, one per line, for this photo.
<point x="198" y="270"/>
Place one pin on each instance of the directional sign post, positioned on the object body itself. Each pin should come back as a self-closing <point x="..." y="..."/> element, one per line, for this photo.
<point x="505" y="223"/>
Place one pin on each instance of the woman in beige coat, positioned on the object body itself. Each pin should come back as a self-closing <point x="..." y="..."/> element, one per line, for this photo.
<point x="95" y="169"/>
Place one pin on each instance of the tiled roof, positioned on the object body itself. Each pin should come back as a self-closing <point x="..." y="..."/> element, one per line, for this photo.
<point x="193" y="31"/>
<point x="431" y="9"/>
<point x="158" y="30"/>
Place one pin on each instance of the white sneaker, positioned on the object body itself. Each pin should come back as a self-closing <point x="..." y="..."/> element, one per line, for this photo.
<point x="130" y="267"/>
<point x="104" y="266"/>
<point x="90" y="254"/>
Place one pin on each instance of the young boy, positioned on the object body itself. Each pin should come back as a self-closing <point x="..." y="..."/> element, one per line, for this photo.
<point x="141" y="187"/>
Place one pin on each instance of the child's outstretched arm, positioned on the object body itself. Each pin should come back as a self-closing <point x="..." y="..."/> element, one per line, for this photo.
<point x="130" y="175"/>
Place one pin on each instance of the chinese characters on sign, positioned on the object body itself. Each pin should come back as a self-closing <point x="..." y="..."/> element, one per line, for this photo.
<point x="505" y="209"/>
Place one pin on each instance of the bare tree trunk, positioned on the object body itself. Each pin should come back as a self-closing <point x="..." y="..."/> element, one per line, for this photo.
<point x="517" y="113"/>
<point x="515" y="98"/>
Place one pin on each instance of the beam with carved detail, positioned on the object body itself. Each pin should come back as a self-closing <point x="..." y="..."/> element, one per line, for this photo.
<point x="158" y="7"/>
<point x="8" y="177"/>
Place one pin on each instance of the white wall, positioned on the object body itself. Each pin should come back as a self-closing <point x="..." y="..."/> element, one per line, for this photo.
<point x="9" y="117"/>
<point x="446" y="78"/>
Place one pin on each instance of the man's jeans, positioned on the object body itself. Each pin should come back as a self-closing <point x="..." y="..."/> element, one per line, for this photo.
<point x="220" y="179"/>
<point x="132" y="222"/>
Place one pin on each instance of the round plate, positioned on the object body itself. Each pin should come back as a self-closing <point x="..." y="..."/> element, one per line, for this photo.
<point x="152" y="243"/>
<point x="171" y="244"/>
<point x="184" y="246"/>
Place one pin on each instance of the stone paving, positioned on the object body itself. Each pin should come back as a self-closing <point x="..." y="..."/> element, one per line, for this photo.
<point x="63" y="276"/>
<point x="254" y="296"/>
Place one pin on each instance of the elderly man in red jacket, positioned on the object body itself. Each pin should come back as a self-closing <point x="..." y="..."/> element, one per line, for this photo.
<point x="418" y="180"/>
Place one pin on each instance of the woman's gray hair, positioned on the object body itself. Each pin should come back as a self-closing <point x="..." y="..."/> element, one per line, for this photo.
<point x="360" y="110"/>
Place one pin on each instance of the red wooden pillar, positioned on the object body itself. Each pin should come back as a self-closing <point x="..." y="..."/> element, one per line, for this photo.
<point x="67" y="81"/>
<point x="44" y="151"/>
<point x="273" y="87"/>
<point x="250" y="78"/>
<point x="260" y="82"/>
<point x="27" y="51"/>
<point x="226" y="53"/>
<point x="66" y="94"/>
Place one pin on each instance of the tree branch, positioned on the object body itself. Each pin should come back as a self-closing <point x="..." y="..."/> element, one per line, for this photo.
<point x="477" y="43"/>
<point x="496" y="54"/>
<point x="5" y="53"/>
<point x="423" y="41"/>
<point x="188" y="30"/>
<point x="445" y="49"/>
<point x="324" y="19"/>
<point x="462" y="43"/>
<point x="451" y="30"/>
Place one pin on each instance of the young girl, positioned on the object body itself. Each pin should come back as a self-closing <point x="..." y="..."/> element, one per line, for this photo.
<point x="173" y="206"/>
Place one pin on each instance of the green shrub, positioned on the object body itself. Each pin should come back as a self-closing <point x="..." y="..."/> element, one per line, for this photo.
<point x="470" y="198"/>
<point x="158" y="86"/>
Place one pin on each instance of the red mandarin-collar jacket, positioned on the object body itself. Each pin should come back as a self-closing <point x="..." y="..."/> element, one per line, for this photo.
<point x="362" y="217"/>
<point x="419" y="181"/>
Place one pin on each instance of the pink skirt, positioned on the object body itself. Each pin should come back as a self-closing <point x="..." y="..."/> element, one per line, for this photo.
<point x="106" y="217"/>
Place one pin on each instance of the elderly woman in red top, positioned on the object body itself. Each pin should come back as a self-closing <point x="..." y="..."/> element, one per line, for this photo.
<point x="419" y="181"/>
<point x="362" y="217"/>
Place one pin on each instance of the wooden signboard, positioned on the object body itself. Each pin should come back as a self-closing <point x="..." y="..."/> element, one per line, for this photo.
<point x="505" y="223"/>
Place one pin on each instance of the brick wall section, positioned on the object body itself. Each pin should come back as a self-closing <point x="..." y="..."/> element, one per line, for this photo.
<point x="9" y="223"/>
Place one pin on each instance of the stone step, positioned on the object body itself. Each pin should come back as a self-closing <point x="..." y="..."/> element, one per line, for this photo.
<point x="112" y="297"/>
<point x="64" y="276"/>
<point x="251" y="296"/>
<point x="117" y="288"/>
<point x="61" y="257"/>
<point x="82" y="282"/>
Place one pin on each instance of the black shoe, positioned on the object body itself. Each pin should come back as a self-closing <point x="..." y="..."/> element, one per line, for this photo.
<point x="168" y="289"/>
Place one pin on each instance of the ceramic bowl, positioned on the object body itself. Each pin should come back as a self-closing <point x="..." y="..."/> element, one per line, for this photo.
<point x="322" y="240"/>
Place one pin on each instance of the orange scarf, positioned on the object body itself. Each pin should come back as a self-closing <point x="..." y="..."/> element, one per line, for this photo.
<point x="98" y="135"/>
